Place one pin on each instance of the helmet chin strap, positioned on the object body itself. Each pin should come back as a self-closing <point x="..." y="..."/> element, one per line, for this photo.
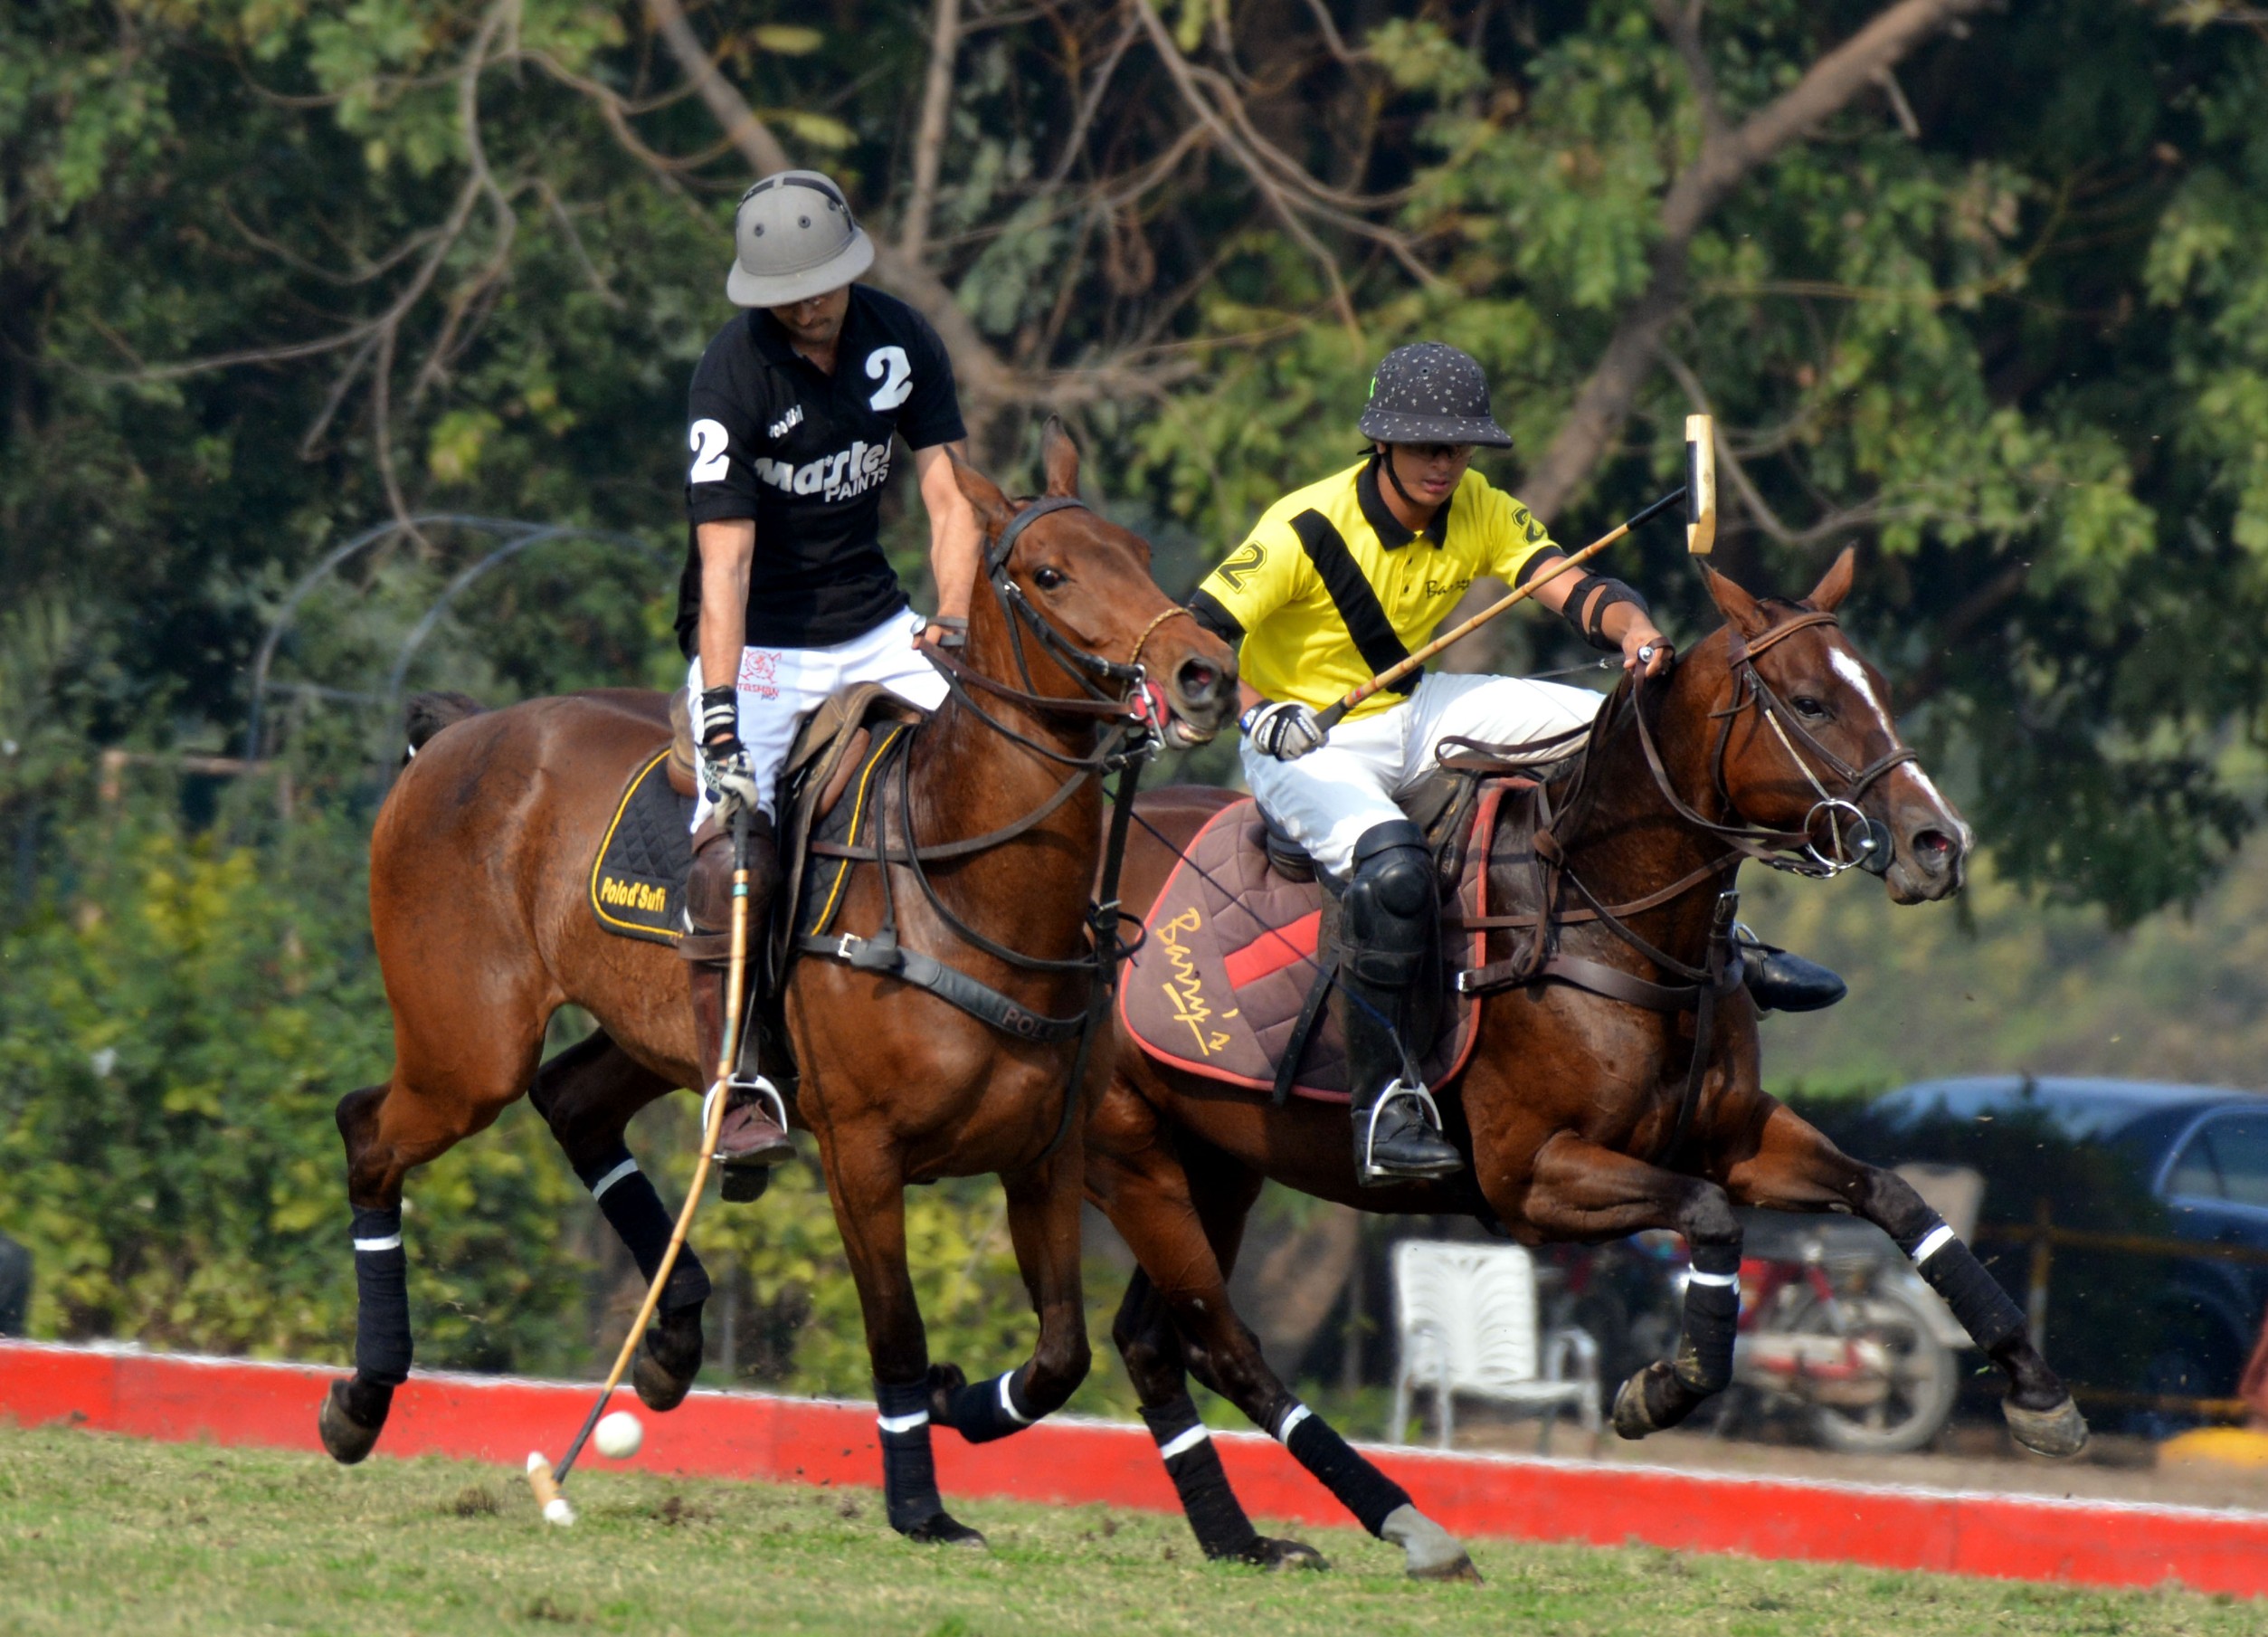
<point x="1386" y="459"/>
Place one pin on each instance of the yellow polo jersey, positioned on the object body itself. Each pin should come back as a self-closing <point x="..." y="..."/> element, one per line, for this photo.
<point x="1330" y="589"/>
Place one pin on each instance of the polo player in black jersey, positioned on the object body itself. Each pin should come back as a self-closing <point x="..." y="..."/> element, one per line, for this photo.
<point x="786" y="594"/>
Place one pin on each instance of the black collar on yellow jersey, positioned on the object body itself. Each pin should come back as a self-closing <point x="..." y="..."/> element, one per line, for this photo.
<point x="1391" y="534"/>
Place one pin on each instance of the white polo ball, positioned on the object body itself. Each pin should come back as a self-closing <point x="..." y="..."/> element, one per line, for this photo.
<point x="619" y="1435"/>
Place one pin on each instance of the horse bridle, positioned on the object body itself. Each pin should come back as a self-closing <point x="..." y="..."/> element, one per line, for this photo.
<point x="1794" y="850"/>
<point x="1129" y="731"/>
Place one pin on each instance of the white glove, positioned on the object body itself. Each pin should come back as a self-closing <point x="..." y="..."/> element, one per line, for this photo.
<point x="731" y="781"/>
<point x="1285" y="730"/>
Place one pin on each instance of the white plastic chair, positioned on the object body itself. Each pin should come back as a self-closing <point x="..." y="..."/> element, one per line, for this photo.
<point x="1467" y="1320"/>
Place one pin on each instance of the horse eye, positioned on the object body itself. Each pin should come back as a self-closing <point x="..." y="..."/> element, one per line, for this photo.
<point x="1047" y="579"/>
<point x="1806" y="706"/>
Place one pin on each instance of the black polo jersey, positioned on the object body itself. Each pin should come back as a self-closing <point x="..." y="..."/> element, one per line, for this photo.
<point x="806" y="455"/>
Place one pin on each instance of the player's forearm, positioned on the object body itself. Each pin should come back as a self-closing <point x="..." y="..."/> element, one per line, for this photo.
<point x="955" y="548"/>
<point x="727" y="548"/>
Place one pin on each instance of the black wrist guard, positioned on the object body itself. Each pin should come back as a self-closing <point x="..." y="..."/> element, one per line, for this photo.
<point x="1603" y="593"/>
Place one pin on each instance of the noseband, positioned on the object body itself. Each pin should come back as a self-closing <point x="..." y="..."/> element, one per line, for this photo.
<point x="1794" y="850"/>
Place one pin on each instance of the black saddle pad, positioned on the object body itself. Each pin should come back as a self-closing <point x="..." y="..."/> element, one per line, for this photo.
<point x="637" y="881"/>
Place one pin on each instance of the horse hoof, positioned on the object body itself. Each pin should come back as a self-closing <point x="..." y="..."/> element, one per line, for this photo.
<point x="1632" y="1419"/>
<point x="2060" y="1431"/>
<point x="941" y="1530"/>
<point x="346" y="1440"/>
<point x="1281" y="1557"/>
<point x="658" y="1388"/>
<point x="945" y="1380"/>
<point x="1429" y="1552"/>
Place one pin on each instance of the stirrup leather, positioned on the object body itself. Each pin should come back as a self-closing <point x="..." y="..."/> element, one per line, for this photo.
<point x="1395" y="1088"/>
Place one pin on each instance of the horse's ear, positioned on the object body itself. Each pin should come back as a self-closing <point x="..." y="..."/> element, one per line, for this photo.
<point x="1059" y="459"/>
<point x="1736" y="605"/>
<point x="993" y="508"/>
<point x="1828" y="595"/>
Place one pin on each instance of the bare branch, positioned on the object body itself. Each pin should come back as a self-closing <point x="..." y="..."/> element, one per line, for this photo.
<point x="749" y="134"/>
<point x="929" y="133"/>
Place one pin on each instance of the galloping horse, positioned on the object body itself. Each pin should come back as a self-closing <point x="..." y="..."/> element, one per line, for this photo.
<point x="477" y="864"/>
<point x="1576" y="1107"/>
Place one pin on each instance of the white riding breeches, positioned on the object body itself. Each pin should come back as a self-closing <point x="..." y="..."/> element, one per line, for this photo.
<point x="777" y="687"/>
<point x="1327" y="798"/>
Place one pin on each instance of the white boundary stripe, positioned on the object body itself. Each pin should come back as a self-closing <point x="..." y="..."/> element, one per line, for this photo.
<point x="1008" y="1401"/>
<point x="627" y="1169"/>
<point x="1181" y="1443"/>
<point x="1292" y="1418"/>
<point x="1934" y="1241"/>
<point x="392" y="1241"/>
<point x="902" y="1423"/>
<point x="1699" y="1278"/>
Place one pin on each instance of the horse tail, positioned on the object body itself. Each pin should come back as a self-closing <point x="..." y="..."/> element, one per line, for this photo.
<point x="427" y="714"/>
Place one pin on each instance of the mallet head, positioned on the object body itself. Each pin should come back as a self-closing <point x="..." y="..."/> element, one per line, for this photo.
<point x="1701" y="485"/>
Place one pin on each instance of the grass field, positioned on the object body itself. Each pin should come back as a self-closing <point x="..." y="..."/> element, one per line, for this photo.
<point x="100" y="1533"/>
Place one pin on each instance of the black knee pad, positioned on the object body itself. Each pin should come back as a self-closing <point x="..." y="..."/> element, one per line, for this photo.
<point x="1389" y="907"/>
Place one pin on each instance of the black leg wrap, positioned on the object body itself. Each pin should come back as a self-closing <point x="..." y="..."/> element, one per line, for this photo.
<point x="1215" y="1515"/>
<point x="986" y="1409"/>
<point x="909" y="1471"/>
<point x="1360" y="1487"/>
<point x="1712" y="1318"/>
<point x="635" y="1211"/>
<point x="382" y="1290"/>
<point x="1983" y="1308"/>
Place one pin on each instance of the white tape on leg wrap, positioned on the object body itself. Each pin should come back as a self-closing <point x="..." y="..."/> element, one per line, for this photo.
<point x="629" y="1167"/>
<point x="1181" y="1443"/>
<point x="1934" y="1241"/>
<point x="1007" y="1402"/>
<point x="392" y="1241"/>
<point x="1720" y="1279"/>
<point x="902" y="1423"/>
<point x="1292" y="1418"/>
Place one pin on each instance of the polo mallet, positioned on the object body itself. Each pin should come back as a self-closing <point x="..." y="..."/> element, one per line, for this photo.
<point x="1700" y="496"/>
<point x="546" y="1482"/>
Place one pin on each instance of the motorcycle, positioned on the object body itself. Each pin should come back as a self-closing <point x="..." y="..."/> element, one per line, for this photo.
<point x="1836" y="1330"/>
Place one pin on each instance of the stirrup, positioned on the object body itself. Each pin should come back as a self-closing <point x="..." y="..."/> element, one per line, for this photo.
<point x="759" y="1084"/>
<point x="1395" y="1088"/>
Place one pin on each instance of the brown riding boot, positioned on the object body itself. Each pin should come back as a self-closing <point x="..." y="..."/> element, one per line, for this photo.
<point x="752" y="1137"/>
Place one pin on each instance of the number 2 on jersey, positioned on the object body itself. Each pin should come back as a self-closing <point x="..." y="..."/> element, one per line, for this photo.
<point x="892" y="363"/>
<point x="708" y="441"/>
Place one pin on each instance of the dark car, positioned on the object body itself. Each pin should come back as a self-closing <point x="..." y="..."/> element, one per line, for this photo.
<point x="2130" y="1157"/>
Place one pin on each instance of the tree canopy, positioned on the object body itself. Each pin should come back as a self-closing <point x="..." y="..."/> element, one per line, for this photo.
<point x="1985" y="290"/>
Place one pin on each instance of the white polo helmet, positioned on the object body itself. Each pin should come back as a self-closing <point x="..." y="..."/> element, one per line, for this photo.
<point x="794" y="239"/>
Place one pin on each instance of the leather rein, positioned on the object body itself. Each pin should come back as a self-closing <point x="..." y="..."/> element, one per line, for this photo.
<point x="1128" y="731"/>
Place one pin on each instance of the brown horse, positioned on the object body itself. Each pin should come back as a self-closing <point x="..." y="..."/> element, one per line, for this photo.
<point x="1570" y="1106"/>
<point x="477" y="864"/>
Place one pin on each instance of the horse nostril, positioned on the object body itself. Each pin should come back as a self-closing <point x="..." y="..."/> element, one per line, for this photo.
<point x="1935" y="850"/>
<point x="1197" y="679"/>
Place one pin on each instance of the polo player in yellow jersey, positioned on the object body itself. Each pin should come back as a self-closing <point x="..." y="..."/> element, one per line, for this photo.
<point x="1337" y="582"/>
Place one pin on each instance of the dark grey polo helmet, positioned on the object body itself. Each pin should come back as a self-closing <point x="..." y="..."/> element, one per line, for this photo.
<point x="794" y="239"/>
<point x="1430" y="392"/>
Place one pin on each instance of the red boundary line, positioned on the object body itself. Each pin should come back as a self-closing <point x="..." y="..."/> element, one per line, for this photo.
<point x="1077" y="1462"/>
